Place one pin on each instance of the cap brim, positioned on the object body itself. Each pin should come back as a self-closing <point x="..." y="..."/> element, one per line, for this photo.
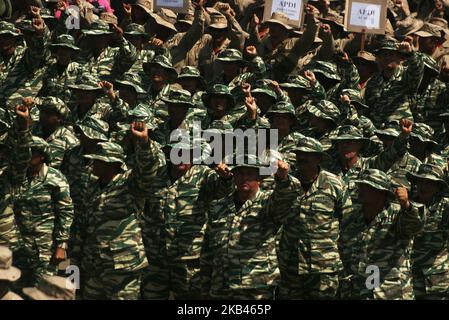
<point x="96" y="33"/>
<point x="103" y="158"/>
<point x="374" y="185"/>
<point x="218" y="26"/>
<point x="412" y="177"/>
<point x="425" y="34"/>
<point x="286" y="26"/>
<point x="84" y="87"/>
<point x="14" y="34"/>
<point x="60" y="45"/>
<point x="12" y="274"/>
<point x="130" y="84"/>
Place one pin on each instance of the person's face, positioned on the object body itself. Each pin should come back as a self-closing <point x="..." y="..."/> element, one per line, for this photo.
<point x="307" y="163"/>
<point x="63" y="56"/>
<point x="87" y="144"/>
<point x="417" y="147"/>
<point x="426" y="190"/>
<point x="103" y="169"/>
<point x="368" y="195"/>
<point x="98" y="42"/>
<point x="85" y="97"/>
<point x="282" y="122"/>
<point x="219" y="105"/>
<point x="388" y="60"/>
<point x="296" y="96"/>
<point x="319" y="125"/>
<point x="428" y="45"/>
<point x="247" y="179"/>
<point x="50" y="119"/>
<point x="218" y="35"/>
<point x="158" y="76"/>
<point x="128" y="94"/>
<point x="177" y="112"/>
<point x="136" y="41"/>
<point x="37" y="159"/>
<point x="444" y="73"/>
<point x="348" y="149"/>
<point x="365" y="69"/>
<point x="277" y="31"/>
<point x="182" y="27"/>
<point x="139" y="15"/>
<point x="387" y="141"/>
<point x="182" y="168"/>
<point x="7" y="44"/>
<point x="189" y="84"/>
<point x="264" y="101"/>
<point x="231" y="68"/>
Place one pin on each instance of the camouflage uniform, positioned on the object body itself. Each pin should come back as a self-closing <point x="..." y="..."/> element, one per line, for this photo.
<point x="174" y="227"/>
<point x="382" y="161"/>
<point x="62" y="139"/>
<point x="111" y="61"/>
<point x="107" y="241"/>
<point x="239" y="254"/>
<point x="430" y="264"/>
<point x="385" y="243"/>
<point x="424" y="133"/>
<point x="390" y="99"/>
<point x="18" y="155"/>
<point x="401" y="167"/>
<point x="44" y="212"/>
<point x="308" y="255"/>
<point x="55" y="82"/>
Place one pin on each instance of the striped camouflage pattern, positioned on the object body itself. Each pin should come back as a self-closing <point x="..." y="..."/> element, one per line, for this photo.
<point x="174" y="226"/>
<point x="18" y="157"/>
<point x="60" y="141"/>
<point x="240" y="247"/>
<point x="430" y="257"/>
<point x="390" y="99"/>
<point x="310" y="231"/>
<point x="44" y="214"/>
<point x="57" y="85"/>
<point x="386" y="242"/>
<point x="107" y="242"/>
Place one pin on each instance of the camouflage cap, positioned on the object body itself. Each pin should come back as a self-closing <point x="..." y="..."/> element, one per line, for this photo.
<point x="141" y="113"/>
<point x="423" y="132"/>
<point x="133" y="80"/>
<point x="179" y="97"/>
<point x="87" y="82"/>
<point x="108" y="152"/>
<point x="356" y="98"/>
<point x="64" y="41"/>
<point x="168" y="15"/>
<point x="326" y="68"/>
<point x="281" y="107"/>
<point x="325" y="109"/>
<point x="347" y="132"/>
<point x="54" y="104"/>
<point x="163" y="62"/>
<point x="334" y="19"/>
<point x="94" y="128"/>
<point x="185" y="18"/>
<point x="220" y="127"/>
<point x="365" y="57"/>
<point x="40" y="145"/>
<point x="98" y="28"/>
<point x="376" y="179"/>
<point x="217" y="21"/>
<point x="236" y="161"/>
<point x="218" y="90"/>
<point x="430" y="30"/>
<point x="134" y="29"/>
<point x="429" y="172"/>
<point x="4" y="120"/>
<point x="192" y="72"/>
<point x="308" y="145"/>
<point x="430" y="64"/>
<point x="279" y="18"/>
<point x="46" y="13"/>
<point x="387" y="45"/>
<point x="230" y="55"/>
<point x="444" y="115"/>
<point x="407" y="26"/>
<point x="26" y="26"/>
<point x="165" y="19"/>
<point x="51" y="288"/>
<point x="9" y="28"/>
<point x="297" y="82"/>
<point x="389" y="129"/>
<point x="7" y="271"/>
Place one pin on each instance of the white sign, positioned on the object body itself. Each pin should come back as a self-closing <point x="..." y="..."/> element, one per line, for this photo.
<point x="294" y="9"/>
<point x="366" y="16"/>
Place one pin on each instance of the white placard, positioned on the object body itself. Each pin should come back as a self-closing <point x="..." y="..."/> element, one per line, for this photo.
<point x="180" y="6"/>
<point x="366" y="16"/>
<point x="294" y="9"/>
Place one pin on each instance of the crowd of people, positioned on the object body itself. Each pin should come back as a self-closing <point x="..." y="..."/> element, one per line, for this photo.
<point x="90" y="178"/>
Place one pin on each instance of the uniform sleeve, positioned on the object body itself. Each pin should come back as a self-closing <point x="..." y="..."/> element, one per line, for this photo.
<point x="19" y="155"/>
<point x="148" y="161"/>
<point x="281" y="200"/>
<point x="125" y="57"/>
<point x="63" y="207"/>
<point x="414" y="73"/>
<point x="192" y="36"/>
<point x="411" y="221"/>
<point x="35" y="52"/>
<point x="236" y="33"/>
<point x="215" y="187"/>
<point x="390" y="155"/>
